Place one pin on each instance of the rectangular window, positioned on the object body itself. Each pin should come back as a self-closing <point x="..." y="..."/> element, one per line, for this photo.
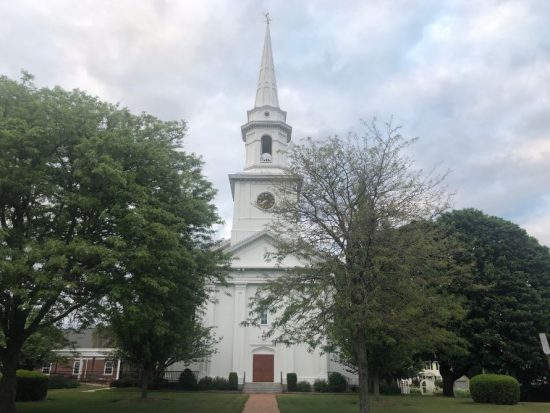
<point x="263" y="318"/>
<point x="428" y="365"/>
<point x="108" y="369"/>
<point x="46" y="368"/>
<point x="76" y="367"/>
<point x="436" y="365"/>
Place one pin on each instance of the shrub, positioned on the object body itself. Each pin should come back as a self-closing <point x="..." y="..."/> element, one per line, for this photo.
<point x="62" y="382"/>
<point x="220" y="383"/>
<point x="125" y="382"/>
<point x="303" y="386"/>
<point x="187" y="380"/>
<point x="415" y="391"/>
<point x="337" y="382"/>
<point x="205" y="383"/>
<point x="161" y="383"/>
<point x="389" y="388"/>
<point x="494" y="388"/>
<point x="233" y="381"/>
<point x="291" y="380"/>
<point x="30" y="386"/>
<point x="439" y="383"/>
<point x="320" y="385"/>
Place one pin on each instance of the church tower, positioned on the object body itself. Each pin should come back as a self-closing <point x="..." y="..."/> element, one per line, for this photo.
<point x="266" y="136"/>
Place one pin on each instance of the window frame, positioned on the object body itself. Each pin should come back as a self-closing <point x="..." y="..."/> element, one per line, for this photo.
<point x="76" y="372"/>
<point x="112" y="364"/>
<point x="47" y="366"/>
<point x="266" y="142"/>
<point x="263" y="316"/>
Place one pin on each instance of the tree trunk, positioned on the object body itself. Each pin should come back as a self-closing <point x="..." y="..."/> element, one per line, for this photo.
<point x="448" y="377"/>
<point x="376" y="384"/>
<point x="7" y="383"/>
<point x="146" y="373"/>
<point x="362" y="370"/>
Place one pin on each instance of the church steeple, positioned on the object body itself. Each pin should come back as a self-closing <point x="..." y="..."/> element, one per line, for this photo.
<point x="266" y="134"/>
<point x="266" y="93"/>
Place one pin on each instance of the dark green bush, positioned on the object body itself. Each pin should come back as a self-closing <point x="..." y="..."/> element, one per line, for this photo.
<point x="205" y="383"/>
<point x="233" y="381"/>
<point x="303" y="386"/>
<point x="337" y="382"/>
<point x="30" y="386"/>
<point x="320" y="385"/>
<point x="220" y="383"/>
<point x="439" y="383"/>
<point x="494" y="388"/>
<point x="535" y="392"/>
<point x="389" y="388"/>
<point x="415" y="391"/>
<point x="62" y="382"/>
<point x="291" y="380"/>
<point x="187" y="380"/>
<point x="125" y="382"/>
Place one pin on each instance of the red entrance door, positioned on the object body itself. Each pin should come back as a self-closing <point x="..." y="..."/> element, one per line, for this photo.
<point x="262" y="367"/>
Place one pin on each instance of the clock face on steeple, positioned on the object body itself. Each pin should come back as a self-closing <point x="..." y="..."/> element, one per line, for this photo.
<point x="265" y="200"/>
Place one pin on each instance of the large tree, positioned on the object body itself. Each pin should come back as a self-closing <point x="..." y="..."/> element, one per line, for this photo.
<point x="155" y="315"/>
<point x="506" y="296"/>
<point x="368" y="260"/>
<point x="73" y="171"/>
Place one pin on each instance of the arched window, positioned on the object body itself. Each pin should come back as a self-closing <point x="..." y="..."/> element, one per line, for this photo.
<point x="266" y="154"/>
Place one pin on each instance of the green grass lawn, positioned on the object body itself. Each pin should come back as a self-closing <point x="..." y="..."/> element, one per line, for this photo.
<point x="337" y="403"/>
<point x="127" y="401"/>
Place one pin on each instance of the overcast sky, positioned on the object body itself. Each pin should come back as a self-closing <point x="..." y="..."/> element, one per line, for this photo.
<point x="471" y="79"/>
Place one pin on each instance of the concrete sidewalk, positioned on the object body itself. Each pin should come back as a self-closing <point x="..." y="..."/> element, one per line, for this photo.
<point x="261" y="403"/>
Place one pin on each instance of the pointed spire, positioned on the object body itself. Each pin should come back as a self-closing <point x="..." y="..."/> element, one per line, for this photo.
<point x="266" y="95"/>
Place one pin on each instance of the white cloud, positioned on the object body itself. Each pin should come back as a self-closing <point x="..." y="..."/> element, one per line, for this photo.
<point x="471" y="79"/>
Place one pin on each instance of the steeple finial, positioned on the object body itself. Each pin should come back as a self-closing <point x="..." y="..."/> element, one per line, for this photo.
<point x="266" y="94"/>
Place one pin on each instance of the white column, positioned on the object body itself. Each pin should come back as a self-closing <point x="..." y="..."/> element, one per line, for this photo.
<point x="324" y="365"/>
<point x="238" y="331"/>
<point x="210" y="321"/>
<point x="118" y="369"/>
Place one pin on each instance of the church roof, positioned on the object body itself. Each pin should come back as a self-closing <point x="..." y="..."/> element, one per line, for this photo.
<point x="266" y="94"/>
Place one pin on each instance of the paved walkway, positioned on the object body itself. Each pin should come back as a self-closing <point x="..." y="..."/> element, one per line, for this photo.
<point x="261" y="403"/>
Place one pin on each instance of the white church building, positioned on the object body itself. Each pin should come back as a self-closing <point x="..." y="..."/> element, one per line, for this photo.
<point x="244" y="350"/>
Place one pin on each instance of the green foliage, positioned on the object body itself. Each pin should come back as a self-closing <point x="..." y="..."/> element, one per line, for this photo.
<point x="187" y="380"/>
<point x="31" y="386"/>
<point x="220" y="383"/>
<point x="96" y="202"/>
<point x="320" y="385"/>
<point x="415" y="391"/>
<point x="37" y="349"/>
<point x="337" y="382"/>
<point x="303" y="386"/>
<point x="374" y="266"/>
<point x="494" y="388"/>
<point x="438" y="383"/>
<point x="214" y="383"/>
<point x="505" y="291"/>
<point x="125" y="382"/>
<point x="291" y="381"/>
<point x="389" y="388"/>
<point x="205" y="383"/>
<point x="61" y="382"/>
<point x="233" y="381"/>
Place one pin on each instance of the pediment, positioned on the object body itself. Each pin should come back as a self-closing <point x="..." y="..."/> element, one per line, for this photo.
<point x="251" y="252"/>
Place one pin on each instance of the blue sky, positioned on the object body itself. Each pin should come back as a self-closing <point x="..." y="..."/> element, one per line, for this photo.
<point x="470" y="79"/>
